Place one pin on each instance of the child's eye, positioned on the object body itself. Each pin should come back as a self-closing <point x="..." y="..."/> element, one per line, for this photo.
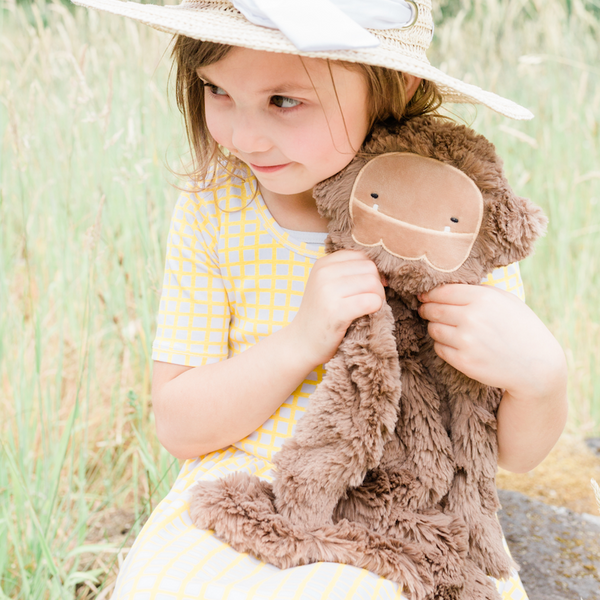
<point x="283" y="102"/>
<point x="213" y="89"/>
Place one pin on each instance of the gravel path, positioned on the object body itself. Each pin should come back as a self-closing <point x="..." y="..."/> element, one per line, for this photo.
<point x="558" y="550"/>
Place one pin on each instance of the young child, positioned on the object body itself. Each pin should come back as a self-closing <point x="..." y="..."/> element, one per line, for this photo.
<point x="277" y="97"/>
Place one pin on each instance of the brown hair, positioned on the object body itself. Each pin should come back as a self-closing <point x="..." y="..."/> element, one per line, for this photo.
<point x="387" y="99"/>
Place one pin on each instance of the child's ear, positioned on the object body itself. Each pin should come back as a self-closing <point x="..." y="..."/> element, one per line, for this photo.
<point x="514" y="224"/>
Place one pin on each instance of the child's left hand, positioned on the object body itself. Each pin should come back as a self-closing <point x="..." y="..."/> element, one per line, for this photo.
<point x="491" y="336"/>
<point x="495" y="338"/>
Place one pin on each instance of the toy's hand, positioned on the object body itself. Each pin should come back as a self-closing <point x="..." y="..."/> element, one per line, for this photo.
<point x="493" y="337"/>
<point x="341" y="287"/>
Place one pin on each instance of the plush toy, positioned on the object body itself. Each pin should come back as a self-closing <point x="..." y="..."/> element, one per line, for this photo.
<point x="392" y="466"/>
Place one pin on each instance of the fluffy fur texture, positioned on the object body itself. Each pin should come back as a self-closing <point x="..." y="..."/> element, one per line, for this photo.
<point x="392" y="466"/>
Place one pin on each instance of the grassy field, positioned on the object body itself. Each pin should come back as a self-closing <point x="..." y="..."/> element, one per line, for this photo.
<point x="86" y="133"/>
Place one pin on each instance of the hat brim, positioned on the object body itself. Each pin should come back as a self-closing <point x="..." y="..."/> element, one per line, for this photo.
<point x="224" y="25"/>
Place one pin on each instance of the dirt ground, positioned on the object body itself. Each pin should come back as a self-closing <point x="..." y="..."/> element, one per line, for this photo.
<point x="562" y="479"/>
<point x="558" y="550"/>
<point x="546" y="526"/>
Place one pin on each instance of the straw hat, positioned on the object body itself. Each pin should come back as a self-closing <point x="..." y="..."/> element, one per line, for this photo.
<point x="360" y="29"/>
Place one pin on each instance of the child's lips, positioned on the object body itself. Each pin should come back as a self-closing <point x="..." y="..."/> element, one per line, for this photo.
<point x="268" y="168"/>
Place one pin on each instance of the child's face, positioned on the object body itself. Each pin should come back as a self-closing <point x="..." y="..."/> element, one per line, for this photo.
<point x="284" y="117"/>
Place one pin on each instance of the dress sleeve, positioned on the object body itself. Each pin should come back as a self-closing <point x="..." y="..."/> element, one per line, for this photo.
<point x="193" y="317"/>
<point x="507" y="278"/>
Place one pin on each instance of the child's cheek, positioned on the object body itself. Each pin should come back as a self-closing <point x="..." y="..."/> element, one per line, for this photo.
<point x="218" y="128"/>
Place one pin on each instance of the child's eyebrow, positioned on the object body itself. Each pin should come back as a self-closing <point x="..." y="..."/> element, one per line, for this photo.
<point x="287" y="88"/>
<point x="282" y="88"/>
<point x="203" y="77"/>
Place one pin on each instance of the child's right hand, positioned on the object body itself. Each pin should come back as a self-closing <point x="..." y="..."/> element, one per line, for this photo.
<point x="342" y="286"/>
<point x="201" y="409"/>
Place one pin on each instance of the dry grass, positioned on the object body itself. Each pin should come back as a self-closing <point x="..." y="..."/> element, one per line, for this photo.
<point x="562" y="479"/>
<point x="84" y="203"/>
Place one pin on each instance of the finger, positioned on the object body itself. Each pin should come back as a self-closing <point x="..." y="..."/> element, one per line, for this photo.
<point x="338" y="270"/>
<point x="359" y="305"/>
<point x="344" y="255"/>
<point x="447" y="354"/>
<point x="354" y="285"/>
<point x="435" y="312"/>
<point x="443" y="334"/>
<point x="451" y="293"/>
<point x="355" y="267"/>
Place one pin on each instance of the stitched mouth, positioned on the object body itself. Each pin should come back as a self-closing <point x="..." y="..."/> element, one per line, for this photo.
<point x="375" y="210"/>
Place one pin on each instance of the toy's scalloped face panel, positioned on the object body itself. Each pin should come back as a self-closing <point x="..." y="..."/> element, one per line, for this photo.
<point x="416" y="208"/>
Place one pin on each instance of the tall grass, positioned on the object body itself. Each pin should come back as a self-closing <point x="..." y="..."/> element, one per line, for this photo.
<point x="85" y="199"/>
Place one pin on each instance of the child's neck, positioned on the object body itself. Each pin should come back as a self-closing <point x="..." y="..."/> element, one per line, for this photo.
<point x="297" y="212"/>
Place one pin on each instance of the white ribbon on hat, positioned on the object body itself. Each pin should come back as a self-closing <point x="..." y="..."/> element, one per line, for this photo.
<point x="316" y="25"/>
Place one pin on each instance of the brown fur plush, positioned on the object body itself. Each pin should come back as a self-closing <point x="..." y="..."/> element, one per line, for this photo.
<point x="392" y="466"/>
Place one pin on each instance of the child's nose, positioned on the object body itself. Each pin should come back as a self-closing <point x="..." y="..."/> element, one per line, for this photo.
<point x="249" y="135"/>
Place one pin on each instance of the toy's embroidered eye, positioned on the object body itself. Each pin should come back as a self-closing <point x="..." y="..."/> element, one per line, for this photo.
<point x="454" y="219"/>
<point x="374" y="195"/>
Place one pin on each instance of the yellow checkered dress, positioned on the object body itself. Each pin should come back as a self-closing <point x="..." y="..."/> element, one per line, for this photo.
<point x="233" y="276"/>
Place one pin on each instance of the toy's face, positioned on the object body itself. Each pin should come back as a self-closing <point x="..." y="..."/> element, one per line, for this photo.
<point x="416" y="208"/>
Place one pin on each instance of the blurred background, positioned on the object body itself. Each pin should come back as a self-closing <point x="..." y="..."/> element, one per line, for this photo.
<point x="89" y="139"/>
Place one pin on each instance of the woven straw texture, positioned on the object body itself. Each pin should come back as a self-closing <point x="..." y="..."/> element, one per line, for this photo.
<point x="400" y="49"/>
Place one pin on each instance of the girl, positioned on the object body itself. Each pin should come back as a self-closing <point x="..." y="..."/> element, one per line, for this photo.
<point x="277" y="97"/>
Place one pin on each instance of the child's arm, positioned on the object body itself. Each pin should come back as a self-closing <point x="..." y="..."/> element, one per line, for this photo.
<point x="202" y="409"/>
<point x="495" y="338"/>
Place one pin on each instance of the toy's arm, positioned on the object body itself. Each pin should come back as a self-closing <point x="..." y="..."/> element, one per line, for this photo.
<point x="350" y="417"/>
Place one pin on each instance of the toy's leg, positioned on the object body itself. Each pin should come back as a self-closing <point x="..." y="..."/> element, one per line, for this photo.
<point x="485" y="534"/>
<point x="443" y="539"/>
<point x="473" y="495"/>
<point x="425" y="450"/>
<point x="351" y="416"/>
<point x="477" y="586"/>
<point x="240" y="510"/>
<point x="423" y="447"/>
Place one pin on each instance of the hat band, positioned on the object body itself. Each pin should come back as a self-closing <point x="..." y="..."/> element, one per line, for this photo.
<point x="320" y="25"/>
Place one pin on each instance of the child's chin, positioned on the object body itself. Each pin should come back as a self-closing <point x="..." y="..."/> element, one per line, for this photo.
<point x="270" y="185"/>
